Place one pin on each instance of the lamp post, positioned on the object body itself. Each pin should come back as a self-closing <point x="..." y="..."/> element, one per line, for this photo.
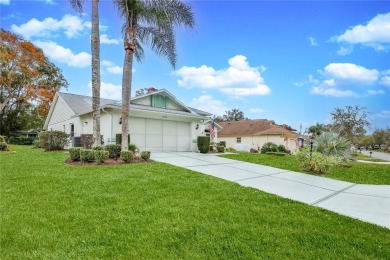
<point x="311" y="145"/>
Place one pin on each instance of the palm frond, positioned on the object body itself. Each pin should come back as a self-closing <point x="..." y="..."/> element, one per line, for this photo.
<point x="77" y="5"/>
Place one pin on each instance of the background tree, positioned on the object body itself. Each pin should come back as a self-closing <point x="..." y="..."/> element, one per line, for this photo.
<point x="316" y="130"/>
<point x="366" y="141"/>
<point x="379" y="136"/>
<point x="350" y="122"/>
<point x="148" y="22"/>
<point x="28" y="84"/>
<point x="144" y="91"/>
<point x="234" y="114"/>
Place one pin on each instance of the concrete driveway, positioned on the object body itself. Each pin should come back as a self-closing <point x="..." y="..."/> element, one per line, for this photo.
<point x="370" y="203"/>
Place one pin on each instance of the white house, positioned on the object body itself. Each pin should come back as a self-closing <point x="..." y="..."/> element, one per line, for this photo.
<point x="246" y="134"/>
<point x="157" y="121"/>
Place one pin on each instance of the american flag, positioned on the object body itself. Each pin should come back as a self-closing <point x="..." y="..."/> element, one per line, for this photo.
<point x="211" y="129"/>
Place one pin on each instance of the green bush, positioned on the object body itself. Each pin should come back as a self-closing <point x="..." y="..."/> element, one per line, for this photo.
<point x="333" y="144"/>
<point x="37" y="143"/>
<point x="53" y="140"/>
<point x="100" y="155"/>
<point x="269" y="147"/>
<point x="283" y="149"/>
<point x="118" y="139"/>
<point x="221" y="149"/>
<point x="21" y="140"/>
<point x="3" y="146"/>
<point x="317" y="162"/>
<point x="98" y="148"/>
<point x="276" y="153"/>
<point x="86" y="140"/>
<point x="145" y="155"/>
<point x="222" y="143"/>
<point x="114" y="150"/>
<point x="3" y="139"/>
<point x="127" y="156"/>
<point x="87" y="155"/>
<point x="203" y="144"/>
<point x="74" y="153"/>
<point x="132" y="147"/>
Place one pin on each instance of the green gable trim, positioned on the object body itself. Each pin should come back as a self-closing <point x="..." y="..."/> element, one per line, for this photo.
<point x="159" y="101"/>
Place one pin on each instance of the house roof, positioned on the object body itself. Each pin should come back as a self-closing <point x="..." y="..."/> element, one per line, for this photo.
<point x="252" y="127"/>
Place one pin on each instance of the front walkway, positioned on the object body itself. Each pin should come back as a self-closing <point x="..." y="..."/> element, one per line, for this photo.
<point x="370" y="203"/>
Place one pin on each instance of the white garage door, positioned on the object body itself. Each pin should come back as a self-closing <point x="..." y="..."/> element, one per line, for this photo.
<point x="160" y="135"/>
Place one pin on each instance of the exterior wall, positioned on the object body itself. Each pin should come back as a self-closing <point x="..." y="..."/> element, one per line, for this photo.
<point x="174" y="106"/>
<point x="257" y="142"/>
<point x="146" y="101"/>
<point x="61" y="113"/>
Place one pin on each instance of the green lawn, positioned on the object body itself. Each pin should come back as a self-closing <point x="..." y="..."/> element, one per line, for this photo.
<point x="362" y="173"/>
<point x="50" y="210"/>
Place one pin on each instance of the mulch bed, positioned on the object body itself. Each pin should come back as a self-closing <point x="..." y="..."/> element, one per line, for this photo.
<point x="106" y="162"/>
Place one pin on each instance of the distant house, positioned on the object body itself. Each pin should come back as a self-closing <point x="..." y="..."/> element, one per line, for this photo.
<point x="246" y="134"/>
<point x="158" y="121"/>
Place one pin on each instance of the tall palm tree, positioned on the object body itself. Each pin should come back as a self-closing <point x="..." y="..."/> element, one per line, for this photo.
<point x="95" y="49"/>
<point x="148" y="22"/>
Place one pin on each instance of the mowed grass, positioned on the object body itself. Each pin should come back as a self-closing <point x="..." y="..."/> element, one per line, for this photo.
<point x="361" y="173"/>
<point x="157" y="211"/>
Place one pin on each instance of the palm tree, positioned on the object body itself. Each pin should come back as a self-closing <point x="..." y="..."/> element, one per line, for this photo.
<point x="148" y="22"/>
<point x="95" y="49"/>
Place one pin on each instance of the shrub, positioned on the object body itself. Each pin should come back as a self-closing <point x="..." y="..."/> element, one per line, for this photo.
<point x="221" y="149"/>
<point x="74" y="153"/>
<point x="21" y="140"/>
<point x="53" y="140"/>
<point x="86" y="141"/>
<point x="127" y="156"/>
<point x="145" y="155"/>
<point x="98" y="148"/>
<point x="203" y="144"/>
<point x="269" y="147"/>
<point x="100" y="155"/>
<point x="317" y="162"/>
<point x="222" y="143"/>
<point x="283" y="149"/>
<point x="252" y="150"/>
<point x="276" y="153"/>
<point x="3" y="139"/>
<point x="332" y="144"/>
<point x="37" y="143"/>
<point x="87" y="155"/>
<point x="132" y="147"/>
<point x="114" y="150"/>
<point x="3" y="146"/>
<point x="118" y="139"/>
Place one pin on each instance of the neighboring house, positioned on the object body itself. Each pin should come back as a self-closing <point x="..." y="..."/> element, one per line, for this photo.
<point x="157" y="121"/>
<point x="246" y="134"/>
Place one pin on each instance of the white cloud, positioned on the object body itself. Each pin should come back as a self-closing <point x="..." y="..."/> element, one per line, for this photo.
<point x="70" y="24"/>
<point x="374" y="34"/>
<point x="107" y="63"/>
<point x="383" y="114"/>
<point x="385" y="80"/>
<point x="349" y="73"/>
<point x="208" y="103"/>
<point x="5" y="2"/>
<point x="115" y="70"/>
<point x="256" y="110"/>
<point x="333" y="92"/>
<point x="375" y="92"/>
<point x="239" y="79"/>
<point x="345" y="50"/>
<point x="105" y="40"/>
<point x="108" y="90"/>
<point x="64" y="55"/>
<point x="313" y="41"/>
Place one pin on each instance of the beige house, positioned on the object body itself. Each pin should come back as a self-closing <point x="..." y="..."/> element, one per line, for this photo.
<point x="157" y="121"/>
<point x="246" y="134"/>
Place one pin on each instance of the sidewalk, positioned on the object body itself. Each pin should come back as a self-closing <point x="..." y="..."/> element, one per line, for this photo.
<point x="382" y="156"/>
<point x="370" y="203"/>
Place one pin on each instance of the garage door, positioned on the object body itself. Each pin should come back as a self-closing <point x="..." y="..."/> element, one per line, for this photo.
<point x="160" y="135"/>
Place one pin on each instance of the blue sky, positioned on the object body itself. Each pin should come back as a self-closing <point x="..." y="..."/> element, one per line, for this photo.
<point x="288" y="61"/>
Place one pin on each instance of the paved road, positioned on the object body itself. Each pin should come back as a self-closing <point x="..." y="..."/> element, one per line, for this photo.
<point x="370" y="203"/>
<point x="383" y="156"/>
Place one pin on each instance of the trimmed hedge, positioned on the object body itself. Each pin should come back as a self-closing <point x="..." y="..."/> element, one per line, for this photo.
<point x="21" y="140"/>
<point x="269" y="147"/>
<point x="3" y="146"/>
<point x="114" y="150"/>
<point x="74" y="153"/>
<point x="145" y="155"/>
<point x="132" y="147"/>
<point x="276" y="153"/>
<point x="203" y="144"/>
<point x="100" y="155"/>
<point x="127" y="156"/>
<point x="87" y="155"/>
<point x="53" y="140"/>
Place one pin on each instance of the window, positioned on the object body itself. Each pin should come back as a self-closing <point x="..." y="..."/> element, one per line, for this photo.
<point x="159" y="101"/>
<point x="238" y="140"/>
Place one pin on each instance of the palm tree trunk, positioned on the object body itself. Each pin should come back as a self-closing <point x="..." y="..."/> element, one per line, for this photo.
<point x="95" y="45"/>
<point x="126" y="91"/>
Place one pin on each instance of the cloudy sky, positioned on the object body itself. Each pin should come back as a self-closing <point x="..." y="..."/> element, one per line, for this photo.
<point x="288" y="61"/>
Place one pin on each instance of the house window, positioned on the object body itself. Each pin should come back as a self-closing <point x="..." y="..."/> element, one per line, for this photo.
<point x="159" y="101"/>
<point x="238" y="140"/>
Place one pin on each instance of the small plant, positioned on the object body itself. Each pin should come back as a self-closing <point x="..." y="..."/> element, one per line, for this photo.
<point x="100" y="156"/>
<point x="37" y="143"/>
<point x="127" y="156"/>
<point x="114" y="150"/>
<point x="53" y="140"/>
<point x="3" y="139"/>
<point x="222" y="143"/>
<point x="316" y="162"/>
<point x="221" y="149"/>
<point x="132" y="147"/>
<point x="283" y="149"/>
<point x="269" y="147"/>
<point x="145" y="155"/>
<point x="87" y="155"/>
<point x="74" y="153"/>
<point x="203" y="144"/>
<point x="3" y="146"/>
<point x="86" y="140"/>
